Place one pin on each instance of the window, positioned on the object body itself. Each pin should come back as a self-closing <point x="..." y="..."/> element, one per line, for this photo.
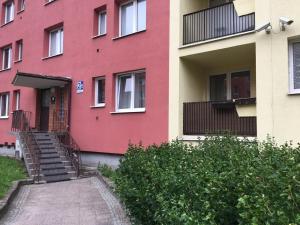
<point x="100" y="92"/>
<point x="56" y="42"/>
<point x="132" y="17"/>
<point x="21" y="5"/>
<point x="227" y="86"/>
<point x="19" y="50"/>
<point x="218" y="88"/>
<point x="6" y="58"/>
<point x="9" y="12"/>
<point x="48" y="1"/>
<point x="131" y="92"/>
<point x="4" y="101"/>
<point x="102" y="17"/>
<point x="294" y="61"/>
<point x="17" y="100"/>
<point x="240" y="85"/>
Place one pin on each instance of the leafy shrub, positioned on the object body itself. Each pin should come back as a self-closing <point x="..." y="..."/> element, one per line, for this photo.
<point x="107" y="171"/>
<point x="221" y="181"/>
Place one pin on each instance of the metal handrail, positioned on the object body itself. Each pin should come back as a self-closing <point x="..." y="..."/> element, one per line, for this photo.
<point x="71" y="149"/>
<point x="21" y="124"/>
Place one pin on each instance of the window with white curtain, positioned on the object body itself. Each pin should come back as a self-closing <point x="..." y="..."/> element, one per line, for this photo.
<point x="6" y="58"/>
<point x="9" y="12"/>
<point x="56" y="38"/>
<point x="4" y="103"/>
<point x="102" y="18"/>
<point x="131" y="92"/>
<point x="294" y="59"/>
<point x="132" y="17"/>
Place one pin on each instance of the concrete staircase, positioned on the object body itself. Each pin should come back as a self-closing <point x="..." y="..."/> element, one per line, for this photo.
<point x="54" y="166"/>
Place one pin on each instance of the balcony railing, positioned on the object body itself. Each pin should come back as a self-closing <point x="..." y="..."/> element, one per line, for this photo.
<point x="209" y="118"/>
<point x="215" y="22"/>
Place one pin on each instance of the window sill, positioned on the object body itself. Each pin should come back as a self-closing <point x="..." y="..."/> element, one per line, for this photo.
<point x="18" y="61"/>
<point x="3" y="70"/>
<point x="3" y="25"/>
<point x="50" y="2"/>
<point x="97" y="106"/>
<point x="99" y="36"/>
<point x="53" y="56"/>
<point x="293" y="93"/>
<point x="4" y="117"/>
<point x="128" y="35"/>
<point x="20" y="11"/>
<point x="130" y="111"/>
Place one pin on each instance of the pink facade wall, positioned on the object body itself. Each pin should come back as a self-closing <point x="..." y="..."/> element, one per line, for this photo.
<point x="95" y="130"/>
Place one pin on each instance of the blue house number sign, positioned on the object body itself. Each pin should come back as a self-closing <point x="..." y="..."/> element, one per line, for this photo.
<point x="79" y="87"/>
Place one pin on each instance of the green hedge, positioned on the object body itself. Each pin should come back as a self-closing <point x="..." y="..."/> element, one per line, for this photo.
<point x="221" y="181"/>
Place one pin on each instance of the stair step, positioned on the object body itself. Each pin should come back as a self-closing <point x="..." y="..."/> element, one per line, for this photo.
<point x="48" y="151"/>
<point x="50" y="179"/>
<point x="54" y="172"/>
<point x="50" y="161"/>
<point x="52" y="166"/>
<point x="45" y="144"/>
<point x="50" y="156"/>
<point x="46" y="147"/>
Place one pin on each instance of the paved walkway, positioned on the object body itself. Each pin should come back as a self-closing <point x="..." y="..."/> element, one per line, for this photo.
<point x="79" y="202"/>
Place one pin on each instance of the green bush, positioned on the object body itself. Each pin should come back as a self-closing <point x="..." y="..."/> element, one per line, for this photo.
<point x="107" y="171"/>
<point x="221" y="181"/>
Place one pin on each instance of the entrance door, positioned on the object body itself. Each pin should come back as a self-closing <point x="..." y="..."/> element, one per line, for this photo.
<point x="45" y="104"/>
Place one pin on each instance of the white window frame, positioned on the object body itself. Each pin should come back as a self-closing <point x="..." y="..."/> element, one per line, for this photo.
<point x="135" y="17"/>
<point x="18" y="95"/>
<point x="22" y="5"/>
<point x="20" y="50"/>
<point x="59" y="41"/>
<point x="99" y="22"/>
<point x="9" y="57"/>
<point x="96" y="104"/>
<point x="118" y="86"/>
<point x="12" y="11"/>
<point x="292" y="90"/>
<point x="6" y="95"/>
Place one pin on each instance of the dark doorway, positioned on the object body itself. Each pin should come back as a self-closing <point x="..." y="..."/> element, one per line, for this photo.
<point x="45" y="105"/>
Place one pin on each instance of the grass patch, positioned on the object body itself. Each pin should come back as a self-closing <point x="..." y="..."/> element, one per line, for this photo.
<point x="10" y="170"/>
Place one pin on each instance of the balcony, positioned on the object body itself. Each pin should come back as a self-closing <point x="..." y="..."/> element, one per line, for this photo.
<point x="215" y="22"/>
<point x="213" y="118"/>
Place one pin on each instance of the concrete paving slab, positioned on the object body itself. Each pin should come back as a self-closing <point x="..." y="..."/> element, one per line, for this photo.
<point x="78" y="202"/>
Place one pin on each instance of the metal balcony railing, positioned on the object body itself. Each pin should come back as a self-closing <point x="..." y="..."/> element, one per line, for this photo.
<point x="215" y="22"/>
<point x="213" y="118"/>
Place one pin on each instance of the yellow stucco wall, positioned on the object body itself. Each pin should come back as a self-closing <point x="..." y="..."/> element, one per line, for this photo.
<point x="278" y="114"/>
<point x="244" y="7"/>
